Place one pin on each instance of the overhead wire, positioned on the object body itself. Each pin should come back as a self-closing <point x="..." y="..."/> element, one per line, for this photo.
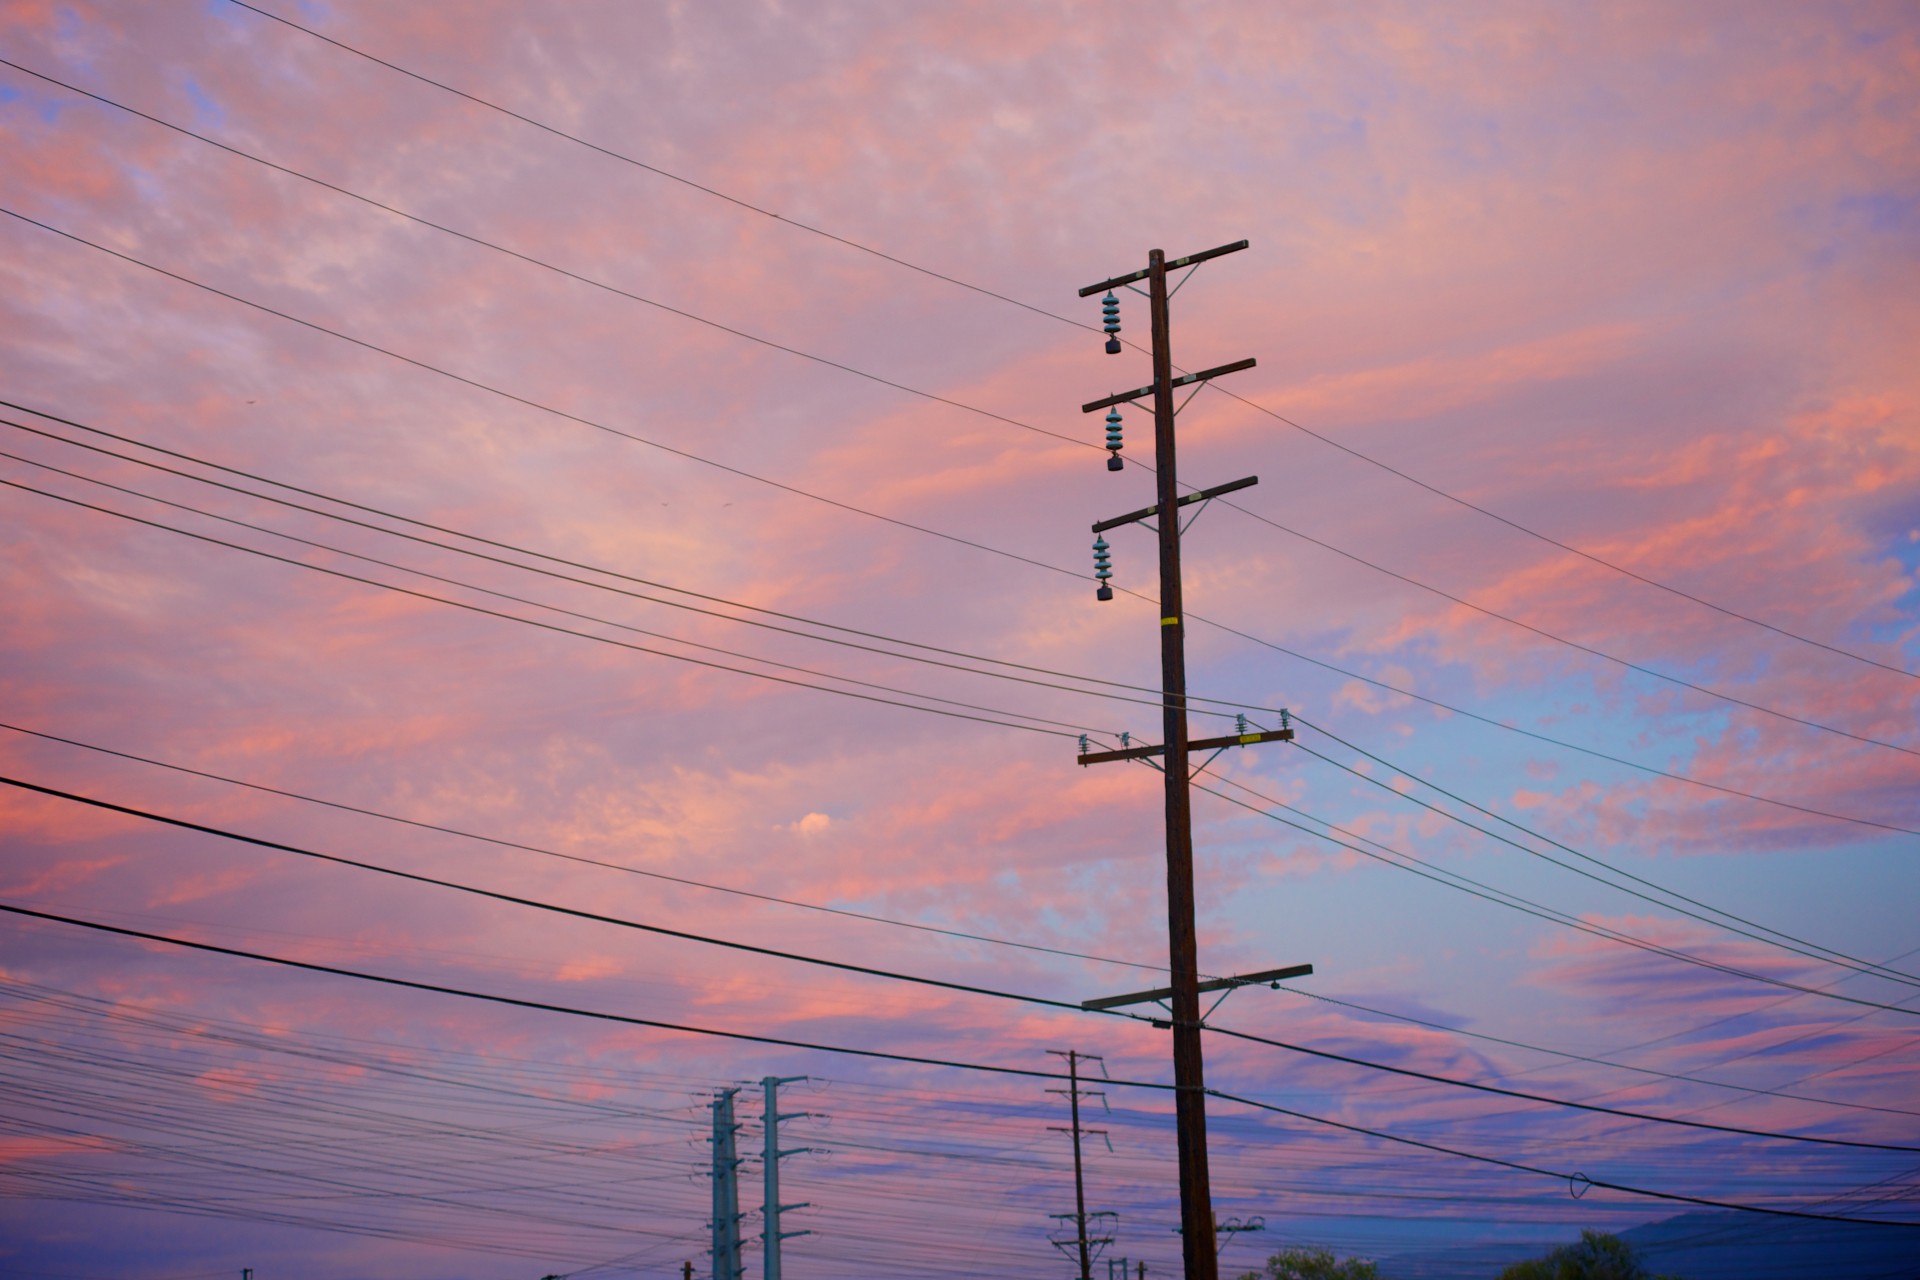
<point x="989" y="716"/>
<point x="805" y="493"/>
<point x="845" y="966"/>
<point x="526" y="1003"/>
<point x="1765" y="934"/>
<point x="1792" y="944"/>
<point x="1324" y="439"/>
<point x="1156" y="702"/>
<point x="582" y="859"/>
<point x="1802" y="950"/>
<point x="1478" y="889"/>
<point x="934" y="929"/>
<point x="479" y="241"/>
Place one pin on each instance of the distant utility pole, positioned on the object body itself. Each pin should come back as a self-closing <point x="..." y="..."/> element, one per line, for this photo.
<point x="686" y="1271"/>
<point x="770" y="1213"/>
<point x="1074" y="1093"/>
<point x="727" y="1262"/>
<point x="1190" y="1106"/>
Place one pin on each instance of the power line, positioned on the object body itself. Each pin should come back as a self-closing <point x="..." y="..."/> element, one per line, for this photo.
<point x="850" y="369"/>
<point x="1563" y="546"/>
<point x="934" y="929"/>
<point x="1051" y="315"/>
<point x="536" y="904"/>
<point x="548" y="626"/>
<point x="879" y="1054"/>
<point x="581" y="858"/>
<point x="564" y="577"/>
<point x="1597" y="1061"/>
<point x="1478" y="1087"/>
<point x="1572" y="1179"/>
<point x="1500" y="897"/>
<point x="847" y="506"/>
<point x="1805" y="948"/>
<point x="574" y="613"/>
<point x="549" y="266"/>
<point x="1796" y="945"/>
<point x="871" y="971"/>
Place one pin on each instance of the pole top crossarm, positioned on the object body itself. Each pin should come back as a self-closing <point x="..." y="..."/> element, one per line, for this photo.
<point x="1192" y="259"/>
<point x="1264" y="977"/>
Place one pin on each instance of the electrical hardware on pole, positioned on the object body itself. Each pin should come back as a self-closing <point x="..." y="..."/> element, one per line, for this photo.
<point x="1185" y="1019"/>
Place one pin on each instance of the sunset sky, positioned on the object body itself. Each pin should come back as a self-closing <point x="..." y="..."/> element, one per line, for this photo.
<point x="628" y="456"/>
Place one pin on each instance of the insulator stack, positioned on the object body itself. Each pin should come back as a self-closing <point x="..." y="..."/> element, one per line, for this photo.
<point x="1110" y="312"/>
<point x="1102" y="568"/>
<point x="1114" y="429"/>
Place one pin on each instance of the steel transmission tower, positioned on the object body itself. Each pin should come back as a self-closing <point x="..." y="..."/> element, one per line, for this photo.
<point x="1087" y="1245"/>
<point x="772" y="1235"/>
<point x="727" y="1262"/>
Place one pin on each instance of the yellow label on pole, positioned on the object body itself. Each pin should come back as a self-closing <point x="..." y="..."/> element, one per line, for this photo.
<point x="1169" y="622"/>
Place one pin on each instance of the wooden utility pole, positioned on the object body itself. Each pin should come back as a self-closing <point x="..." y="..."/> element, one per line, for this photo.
<point x="1190" y="1104"/>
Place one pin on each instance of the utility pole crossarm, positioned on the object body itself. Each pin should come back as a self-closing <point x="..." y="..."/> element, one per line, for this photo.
<point x="1191" y="260"/>
<point x="1183" y="380"/>
<point x="1265" y="977"/>
<point x="1198" y="744"/>
<point x="1205" y="495"/>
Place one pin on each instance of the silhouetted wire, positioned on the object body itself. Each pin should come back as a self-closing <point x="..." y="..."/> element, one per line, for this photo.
<point x="871" y="514"/>
<point x="1569" y="1178"/>
<point x="544" y="626"/>
<point x="1597" y="1061"/>
<point x="875" y="972"/>
<point x="935" y="929"/>
<point x="549" y="266"/>
<point x="1156" y="702"/>
<point x="581" y="858"/>
<point x="1500" y="897"/>
<point x="1571" y="1104"/>
<point x="1796" y="945"/>
<point x="1052" y="315"/>
<point x="488" y="244"/>
<point x="542" y="1006"/>
<point x="575" y="613"/>
<point x="1806" y="949"/>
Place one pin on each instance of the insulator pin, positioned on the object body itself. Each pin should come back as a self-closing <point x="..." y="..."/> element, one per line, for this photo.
<point x="1114" y="431"/>
<point x="1110" y="313"/>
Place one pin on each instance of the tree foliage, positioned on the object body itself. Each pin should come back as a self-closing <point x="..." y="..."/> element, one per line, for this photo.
<point x="1597" y="1256"/>
<point x="1314" y="1264"/>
